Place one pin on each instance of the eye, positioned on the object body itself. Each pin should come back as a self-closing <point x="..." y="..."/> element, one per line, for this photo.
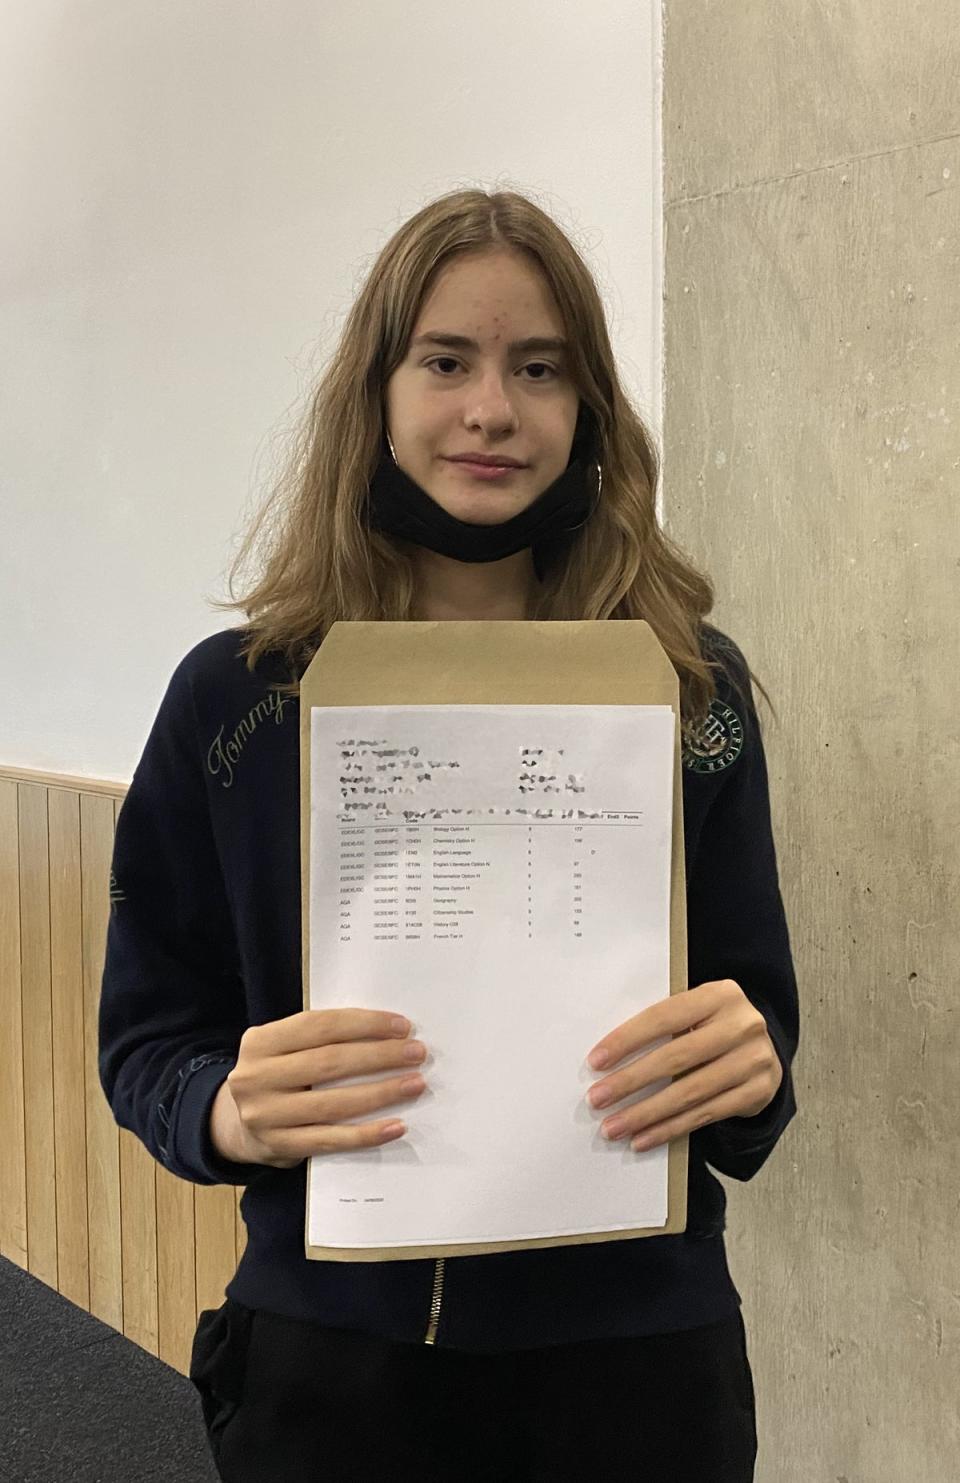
<point x="451" y="360"/>
<point x="542" y="365"/>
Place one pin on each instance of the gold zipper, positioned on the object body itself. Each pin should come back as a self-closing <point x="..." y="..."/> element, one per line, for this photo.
<point x="435" y="1302"/>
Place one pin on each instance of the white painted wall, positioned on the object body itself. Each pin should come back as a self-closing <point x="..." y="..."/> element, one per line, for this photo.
<point x="197" y="193"/>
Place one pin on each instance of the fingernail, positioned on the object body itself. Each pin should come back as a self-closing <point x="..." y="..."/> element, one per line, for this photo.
<point x="599" y="1097"/>
<point x="412" y="1084"/>
<point x="399" y="1025"/>
<point x="614" y="1128"/>
<point x="599" y="1058"/>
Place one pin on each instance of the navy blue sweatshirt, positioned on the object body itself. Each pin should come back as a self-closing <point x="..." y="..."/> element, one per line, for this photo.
<point x="204" y="940"/>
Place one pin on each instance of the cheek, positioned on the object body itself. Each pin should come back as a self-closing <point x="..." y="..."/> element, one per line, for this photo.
<point x="402" y="399"/>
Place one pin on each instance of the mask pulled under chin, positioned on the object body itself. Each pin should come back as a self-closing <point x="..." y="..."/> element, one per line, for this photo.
<point x="399" y="506"/>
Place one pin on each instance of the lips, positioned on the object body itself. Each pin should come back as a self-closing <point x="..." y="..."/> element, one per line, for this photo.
<point x="488" y="462"/>
<point x="487" y="473"/>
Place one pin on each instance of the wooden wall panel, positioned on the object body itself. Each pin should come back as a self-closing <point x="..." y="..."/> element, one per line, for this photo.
<point x="176" y="1269"/>
<point x="138" y="1243"/>
<point x="13" y="1166"/>
<point x="103" y="1140"/>
<point x="69" y="1099"/>
<point x="37" y="1034"/>
<point x="241" y="1228"/>
<point x="83" y="1205"/>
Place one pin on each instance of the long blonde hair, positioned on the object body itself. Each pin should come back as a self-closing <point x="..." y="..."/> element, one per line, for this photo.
<point x="321" y="562"/>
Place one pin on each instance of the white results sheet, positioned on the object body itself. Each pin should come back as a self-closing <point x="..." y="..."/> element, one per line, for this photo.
<point x="501" y="875"/>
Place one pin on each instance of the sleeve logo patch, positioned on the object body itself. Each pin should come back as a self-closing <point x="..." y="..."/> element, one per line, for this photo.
<point x="716" y="743"/>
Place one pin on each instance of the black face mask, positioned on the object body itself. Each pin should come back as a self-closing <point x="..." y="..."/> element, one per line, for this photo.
<point x="399" y="506"/>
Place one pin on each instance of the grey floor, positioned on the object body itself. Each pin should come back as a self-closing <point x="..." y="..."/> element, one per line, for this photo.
<point x="78" y="1401"/>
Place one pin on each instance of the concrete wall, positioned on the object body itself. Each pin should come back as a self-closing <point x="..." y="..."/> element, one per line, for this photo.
<point x="812" y="334"/>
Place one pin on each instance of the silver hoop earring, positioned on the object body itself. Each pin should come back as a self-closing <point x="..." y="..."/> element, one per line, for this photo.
<point x="393" y="450"/>
<point x="572" y="528"/>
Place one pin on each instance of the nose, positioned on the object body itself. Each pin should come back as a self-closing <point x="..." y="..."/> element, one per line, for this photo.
<point x="488" y="405"/>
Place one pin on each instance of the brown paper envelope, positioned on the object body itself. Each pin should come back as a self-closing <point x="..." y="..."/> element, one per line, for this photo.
<point x="618" y="662"/>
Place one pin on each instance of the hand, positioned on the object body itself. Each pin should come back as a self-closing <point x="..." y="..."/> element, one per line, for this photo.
<point x="268" y="1111"/>
<point x="721" y="1033"/>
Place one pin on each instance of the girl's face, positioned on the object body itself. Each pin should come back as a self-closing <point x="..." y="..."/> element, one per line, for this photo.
<point x="492" y="396"/>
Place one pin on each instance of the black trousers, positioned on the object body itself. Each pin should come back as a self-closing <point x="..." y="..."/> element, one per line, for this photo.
<point x="287" y="1401"/>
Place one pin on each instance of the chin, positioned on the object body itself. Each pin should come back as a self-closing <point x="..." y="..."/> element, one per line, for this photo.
<point x="482" y="503"/>
<point x="483" y="508"/>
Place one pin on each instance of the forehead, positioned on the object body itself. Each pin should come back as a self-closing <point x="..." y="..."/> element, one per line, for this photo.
<point x="489" y="293"/>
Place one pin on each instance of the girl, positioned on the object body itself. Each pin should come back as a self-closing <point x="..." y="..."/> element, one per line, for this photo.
<point x="478" y="341"/>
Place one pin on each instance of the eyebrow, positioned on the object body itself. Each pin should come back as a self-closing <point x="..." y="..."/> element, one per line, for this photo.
<point x="461" y="342"/>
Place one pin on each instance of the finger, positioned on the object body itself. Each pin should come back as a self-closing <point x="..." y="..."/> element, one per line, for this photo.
<point x="677" y="1057"/>
<point x="315" y="1027"/>
<point x="730" y="1076"/>
<point x="671" y="1016"/>
<point x="304" y="1142"/>
<point x="709" y="1112"/>
<point x="334" y="1062"/>
<point x="638" y="1033"/>
<point x="344" y="1102"/>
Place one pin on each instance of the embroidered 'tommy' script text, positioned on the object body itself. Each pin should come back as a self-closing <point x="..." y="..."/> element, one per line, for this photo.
<point x="223" y="755"/>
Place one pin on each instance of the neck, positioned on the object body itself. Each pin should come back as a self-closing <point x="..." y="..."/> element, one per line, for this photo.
<point x="469" y="590"/>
